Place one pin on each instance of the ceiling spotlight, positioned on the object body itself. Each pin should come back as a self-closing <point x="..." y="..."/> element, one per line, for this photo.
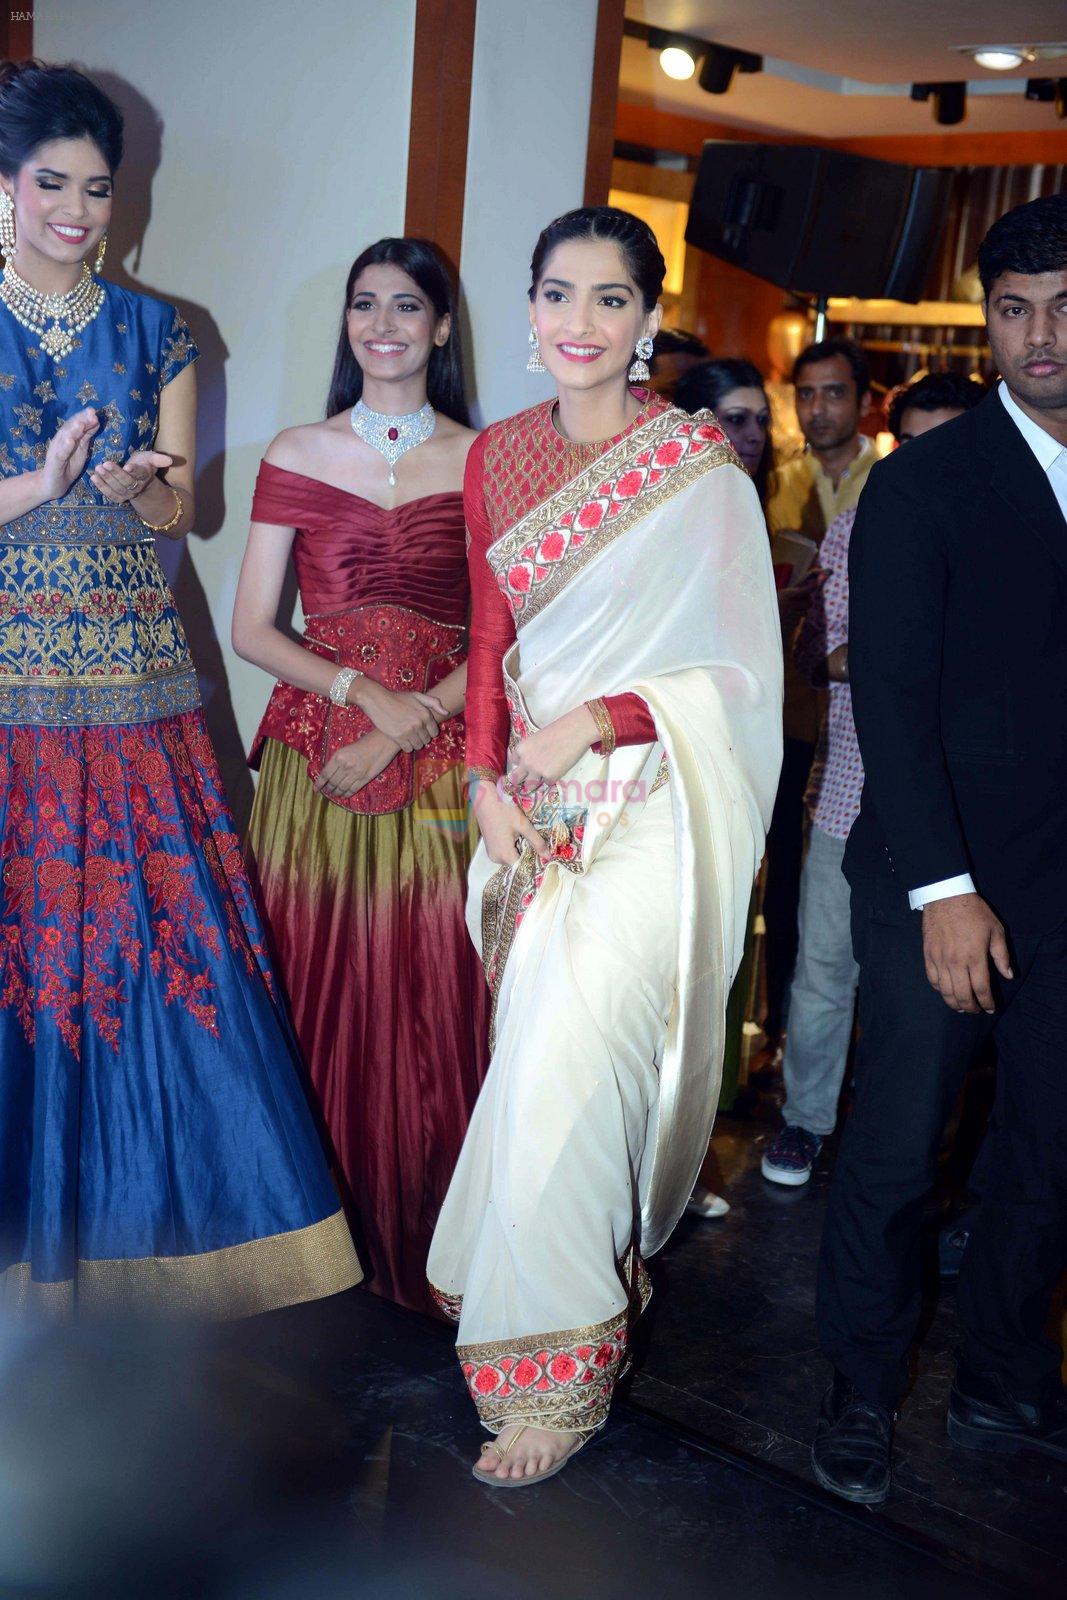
<point x="950" y="100"/>
<point x="999" y="58"/>
<point x="677" y="63"/>
<point x="719" y="65"/>
<point x="1053" y="89"/>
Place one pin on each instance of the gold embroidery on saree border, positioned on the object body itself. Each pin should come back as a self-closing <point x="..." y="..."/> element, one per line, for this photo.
<point x="540" y="555"/>
<point x="563" y="1380"/>
<point x="510" y="891"/>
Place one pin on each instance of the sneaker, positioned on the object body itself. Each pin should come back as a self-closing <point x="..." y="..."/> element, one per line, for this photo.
<point x="792" y="1156"/>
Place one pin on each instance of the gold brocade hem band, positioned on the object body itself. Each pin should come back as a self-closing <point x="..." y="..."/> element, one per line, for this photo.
<point x="105" y="700"/>
<point x="285" y="1269"/>
<point x="563" y="1381"/>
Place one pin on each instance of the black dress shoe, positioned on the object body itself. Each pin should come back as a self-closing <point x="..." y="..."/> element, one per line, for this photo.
<point x="853" y="1437"/>
<point x="983" y="1415"/>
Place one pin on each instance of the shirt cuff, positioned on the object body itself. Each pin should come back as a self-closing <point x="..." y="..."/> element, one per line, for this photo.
<point x="962" y="884"/>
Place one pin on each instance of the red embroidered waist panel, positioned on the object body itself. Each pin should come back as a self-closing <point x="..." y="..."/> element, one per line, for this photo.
<point x="403" y="651"/>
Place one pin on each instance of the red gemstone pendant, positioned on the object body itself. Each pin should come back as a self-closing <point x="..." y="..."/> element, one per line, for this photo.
<point x="393" y="433"/>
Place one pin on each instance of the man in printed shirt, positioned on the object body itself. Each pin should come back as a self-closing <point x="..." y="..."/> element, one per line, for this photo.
<point x="824" y="985"/>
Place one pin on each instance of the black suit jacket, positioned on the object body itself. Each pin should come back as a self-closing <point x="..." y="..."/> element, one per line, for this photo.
<point x="958" y="666"/>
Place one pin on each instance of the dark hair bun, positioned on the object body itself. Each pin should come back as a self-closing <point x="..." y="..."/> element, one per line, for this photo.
<point x="634" y="238"/>
<point x="39" y="103"/>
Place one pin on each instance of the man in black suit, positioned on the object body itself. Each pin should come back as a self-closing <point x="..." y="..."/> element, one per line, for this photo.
<point x="958" y="868"/>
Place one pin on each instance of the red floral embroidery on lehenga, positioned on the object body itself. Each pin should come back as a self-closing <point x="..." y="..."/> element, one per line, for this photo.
<point x="106" y="835"/>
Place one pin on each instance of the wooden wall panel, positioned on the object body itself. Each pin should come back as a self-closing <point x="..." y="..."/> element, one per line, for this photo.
<point x="603" y="100"/>
<point x="666" y="130"/>
<point x="440" y="117"/>
<point x="16" y="33"/>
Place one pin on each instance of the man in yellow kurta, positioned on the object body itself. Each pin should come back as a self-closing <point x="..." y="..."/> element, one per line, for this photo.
<point x="832" y="393"/>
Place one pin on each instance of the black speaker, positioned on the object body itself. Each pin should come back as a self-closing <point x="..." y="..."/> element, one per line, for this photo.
<point x="819" y="222"/>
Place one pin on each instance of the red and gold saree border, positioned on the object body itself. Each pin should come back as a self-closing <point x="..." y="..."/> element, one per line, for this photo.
<point x="563" y="1380"/>
<point x="548" y="546"/>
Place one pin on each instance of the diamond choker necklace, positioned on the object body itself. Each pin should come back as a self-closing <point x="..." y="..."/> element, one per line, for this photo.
<point x="393" y="437"/>
<point x="68" y="313"/>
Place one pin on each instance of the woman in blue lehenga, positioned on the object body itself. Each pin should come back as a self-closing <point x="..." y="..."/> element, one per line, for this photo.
<point x="156" y="1147"/>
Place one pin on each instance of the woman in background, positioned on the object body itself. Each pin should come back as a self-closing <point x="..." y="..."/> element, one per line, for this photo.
<point x="359" y="834"/>
<point x="156" y="1146"/>
<point x="734" y="391"/>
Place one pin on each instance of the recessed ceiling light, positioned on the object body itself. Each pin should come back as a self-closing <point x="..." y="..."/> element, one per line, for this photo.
<point x="677" y="63"/>
<point x="1006" y="57"/>
<point x="999" y="59"/>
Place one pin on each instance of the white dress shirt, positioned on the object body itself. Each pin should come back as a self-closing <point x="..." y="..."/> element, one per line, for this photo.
<point x="1052" y="459"/>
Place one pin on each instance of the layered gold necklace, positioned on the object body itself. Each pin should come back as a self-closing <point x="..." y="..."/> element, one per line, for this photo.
<point x="68" y="313"/>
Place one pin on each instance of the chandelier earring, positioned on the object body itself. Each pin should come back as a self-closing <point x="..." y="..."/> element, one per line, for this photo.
<point x="535" y="364"/>
<point x="7" y="225"/>
<point x="101" y="251"/>
<point x="639" y="372"/>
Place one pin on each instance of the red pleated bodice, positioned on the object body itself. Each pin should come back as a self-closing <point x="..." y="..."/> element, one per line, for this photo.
<point x="351" y="552"/>
<point x="384" y="591"/>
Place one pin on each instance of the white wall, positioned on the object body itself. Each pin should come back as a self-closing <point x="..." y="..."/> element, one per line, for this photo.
<point x="267" y="143"/>
<point x="529" y="126"/>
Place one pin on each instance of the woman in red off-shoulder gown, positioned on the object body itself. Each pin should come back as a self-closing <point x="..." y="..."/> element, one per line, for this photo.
<point x="360" y="835"/>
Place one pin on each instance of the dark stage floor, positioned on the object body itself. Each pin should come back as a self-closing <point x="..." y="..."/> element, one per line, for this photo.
<point x="647" y="1510"/>
<point x="700" y="1484"/>
<point x="730" y="1353"/>
<point x="323" y="1453"/>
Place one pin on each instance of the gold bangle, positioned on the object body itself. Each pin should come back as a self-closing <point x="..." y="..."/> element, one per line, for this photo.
<point x="179" y="511"/>
<point x="605" y="727"/>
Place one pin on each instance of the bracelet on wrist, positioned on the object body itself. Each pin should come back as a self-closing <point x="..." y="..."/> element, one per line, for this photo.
<point x="604" y="725"/>
<point x="338" y="691"/>
<point x="172" y="522"/>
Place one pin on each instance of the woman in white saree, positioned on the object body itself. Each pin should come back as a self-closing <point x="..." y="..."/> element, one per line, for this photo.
<point x="624" y="735"/>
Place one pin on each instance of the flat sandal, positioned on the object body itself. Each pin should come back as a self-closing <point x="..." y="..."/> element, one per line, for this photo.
<point x="537" y="1477"/>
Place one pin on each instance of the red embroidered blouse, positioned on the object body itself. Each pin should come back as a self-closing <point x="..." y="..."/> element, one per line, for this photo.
<point x="513" y="466"/>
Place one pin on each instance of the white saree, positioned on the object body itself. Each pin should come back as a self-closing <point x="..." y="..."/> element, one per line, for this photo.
<point x="610" y="966"/>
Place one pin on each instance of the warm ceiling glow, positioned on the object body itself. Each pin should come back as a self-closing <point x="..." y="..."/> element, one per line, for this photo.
<point x="667" y="219"/>
<point x="677" y="63"/>
<point x="999" y="60"/>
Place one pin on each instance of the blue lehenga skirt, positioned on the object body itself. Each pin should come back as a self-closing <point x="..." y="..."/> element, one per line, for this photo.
<point x="157" y="1149"/>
